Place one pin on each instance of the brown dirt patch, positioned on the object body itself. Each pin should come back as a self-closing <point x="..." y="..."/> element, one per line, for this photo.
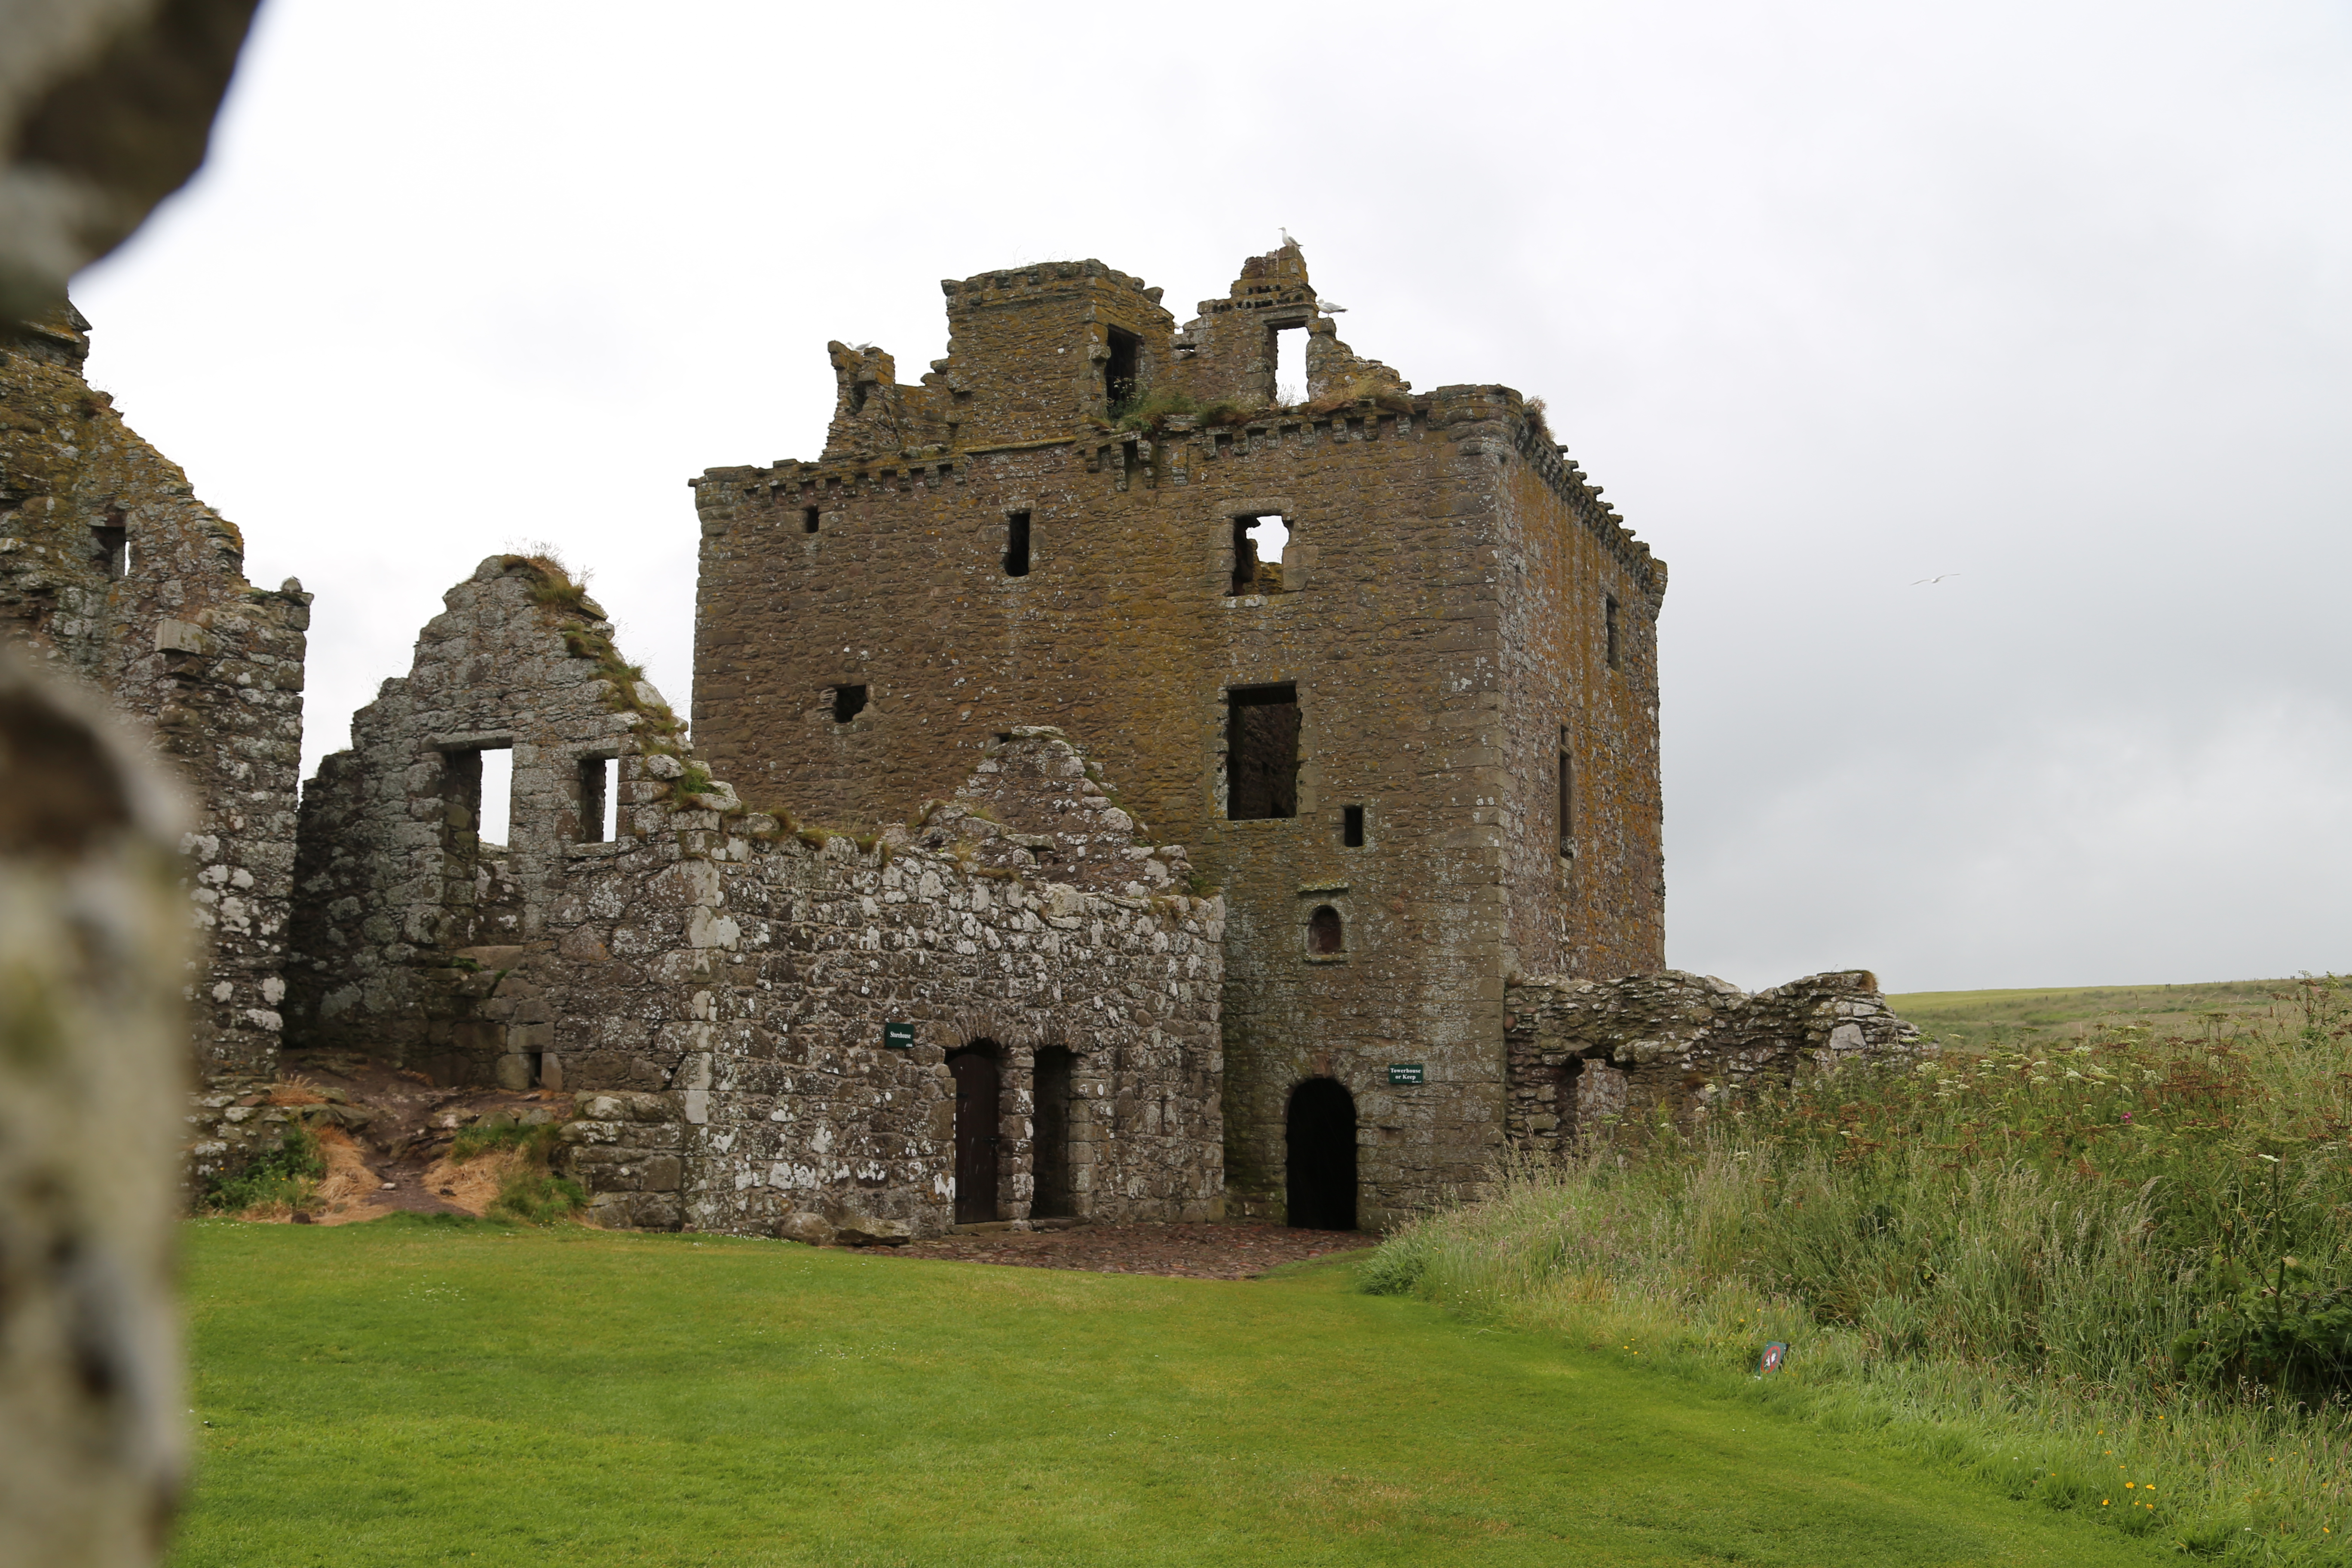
<point x="350" y="1189"/>
<point x="472" y="1185"/>
<point x="1184" y="1251"/>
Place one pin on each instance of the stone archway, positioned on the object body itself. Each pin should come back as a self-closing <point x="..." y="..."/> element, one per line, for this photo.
<point x="1320" y="1146"/>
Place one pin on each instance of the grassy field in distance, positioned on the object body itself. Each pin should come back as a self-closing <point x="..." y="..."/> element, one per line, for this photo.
<point x="1972" y="1019"/>
<point x="402" y="1392"/>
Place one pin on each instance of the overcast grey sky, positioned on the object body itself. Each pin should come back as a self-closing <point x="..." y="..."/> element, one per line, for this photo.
<point x="1832" y="298"/>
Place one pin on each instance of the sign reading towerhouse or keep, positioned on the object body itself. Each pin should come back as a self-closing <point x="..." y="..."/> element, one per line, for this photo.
<point x="1405" y="1072"/>
<point x="899" y="1037"/>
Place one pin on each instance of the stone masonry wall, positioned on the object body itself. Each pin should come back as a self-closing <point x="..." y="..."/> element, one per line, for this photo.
<point x="1587" y="1055"/>
<point x="714" y="983"/>
<point x="1439" y="613"/>
<point x="111" y="569"/>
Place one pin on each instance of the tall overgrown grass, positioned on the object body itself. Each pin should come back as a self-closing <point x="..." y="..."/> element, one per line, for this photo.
<point x="2115" y="1272"/>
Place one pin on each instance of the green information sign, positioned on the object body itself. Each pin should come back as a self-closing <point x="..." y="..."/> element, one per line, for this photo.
<point x="899" y="1037"/>
<point x="1405" y="1072"/>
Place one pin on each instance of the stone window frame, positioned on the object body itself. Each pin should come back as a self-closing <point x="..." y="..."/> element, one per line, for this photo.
<point x="1225" y="514"/>
<point x="440" y="747"/>
<point x="603" y="752"/>
<point x="999" y="539"/>
<point x="1309" y="802"/>
<point x="1337" y="898"/>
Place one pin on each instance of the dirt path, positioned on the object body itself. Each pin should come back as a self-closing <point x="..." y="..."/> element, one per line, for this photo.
<point x="1187" y="1251"/>
<point x="399" y="1128"/>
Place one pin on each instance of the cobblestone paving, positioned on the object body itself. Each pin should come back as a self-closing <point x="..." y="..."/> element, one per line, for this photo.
<point x="1188" y="1251"/>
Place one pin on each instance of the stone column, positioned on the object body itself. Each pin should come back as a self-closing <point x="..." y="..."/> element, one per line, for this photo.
<point x="1016" y="1170"/>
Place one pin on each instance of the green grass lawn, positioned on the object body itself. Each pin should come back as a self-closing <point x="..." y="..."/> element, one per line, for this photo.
<point x="1972" y="1019"/>
<point x="400" y="1392"/>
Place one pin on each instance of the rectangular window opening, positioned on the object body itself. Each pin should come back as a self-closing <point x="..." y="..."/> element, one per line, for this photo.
<point x="600" y="799"/>
<point x="1567" y="811"/>
<point x="1016" y="544"/>
<point x="112" y="547"/>
<point x="1289" y="365"/>
<point x="848" y="702"/>
<point x="1352" y="826"/>
<point x="1609" y="619"/>
<point x="809" y="520"/>
<point x="1122" y="372"/>
<point x="1261" y="752"/>
<point x="497" y="796"/>
<point x="1259" y="541"/>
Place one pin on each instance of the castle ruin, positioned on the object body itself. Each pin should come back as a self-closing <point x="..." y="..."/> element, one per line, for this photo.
<point x="1050" y="843"/>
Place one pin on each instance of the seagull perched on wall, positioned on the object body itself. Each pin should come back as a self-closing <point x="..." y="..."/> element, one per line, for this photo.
<point x="1937" y="579"/>
<point x="1328" y="307"/>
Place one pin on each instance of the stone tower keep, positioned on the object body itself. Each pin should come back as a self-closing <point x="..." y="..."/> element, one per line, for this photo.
<point x="1419" y="751"/>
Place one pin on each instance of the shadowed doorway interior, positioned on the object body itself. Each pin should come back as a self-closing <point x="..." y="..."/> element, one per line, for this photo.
<point x="976" y="1119"/>
<point x="1320" y="1145"/>
<point x="1051" y="1138"/>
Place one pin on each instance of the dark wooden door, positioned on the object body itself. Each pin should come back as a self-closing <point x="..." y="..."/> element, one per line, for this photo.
<point x="975" y="1136"/>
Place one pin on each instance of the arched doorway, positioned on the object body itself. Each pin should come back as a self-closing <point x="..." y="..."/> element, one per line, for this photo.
<point x="1319" y="1144"/>
<point x="977" y="1118"/>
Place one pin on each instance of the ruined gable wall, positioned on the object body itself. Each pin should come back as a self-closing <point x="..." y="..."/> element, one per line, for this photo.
<point x="745" y="980"/>
<point x="713" y="985"/>
<point x="211" y="665"/>
<point x="403" y="917"/>
<point x="1587" y="1056"/>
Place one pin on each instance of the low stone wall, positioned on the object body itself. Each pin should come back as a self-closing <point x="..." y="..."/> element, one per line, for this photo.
<point x="728" y="985"/>
<point x="1587" y="1055"/>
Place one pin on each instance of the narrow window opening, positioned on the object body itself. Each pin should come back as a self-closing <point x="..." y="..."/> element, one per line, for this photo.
<point x="1050" y="1164"/>
<point x="1122" y="372"/>
<point x="857" y="397"/>
<point x="1289" y="365"/>
<point x="1261" y="752"/>
<point x="848" y="702"/>
<point x="599" y="799"/>
<point x="809" y="518"/>
<point x="1609" y="619"/>
<point x="1352" y="826"/>
<point x="111" y="545"/>
<point x="1566" y="816"/>
<point x="1259" y="541"/>
<point x="1325" y="931"/>
<point x="1016" y="544"/>
<point x="497" y="798"/>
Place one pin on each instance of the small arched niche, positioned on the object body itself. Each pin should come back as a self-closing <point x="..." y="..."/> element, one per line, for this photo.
<point x="1327" y="933"/>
